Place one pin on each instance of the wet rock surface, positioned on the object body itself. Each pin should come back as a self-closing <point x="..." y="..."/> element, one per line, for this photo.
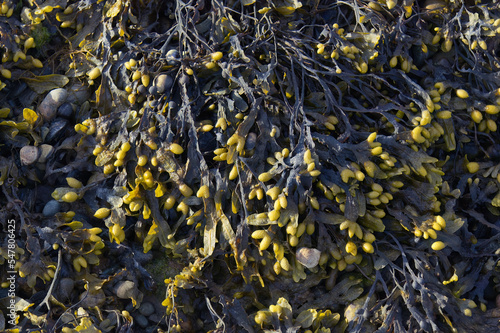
<point x="51" y="208"/>
<point x="29" y="155"/>
<point x="51" y="102"/>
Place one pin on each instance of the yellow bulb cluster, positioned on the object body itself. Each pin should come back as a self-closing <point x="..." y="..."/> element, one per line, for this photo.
<point x="353" y="229"/>
<point x="310" y="163"/>
<point x="221" y="123"/>
<point x="430" y="228"/>
<point x="116" y="233"/>
<point x="341" y="259"/>
<point x="65" y="195"/>
<point x="6" y="10"/>
<point x="79" y="262"/>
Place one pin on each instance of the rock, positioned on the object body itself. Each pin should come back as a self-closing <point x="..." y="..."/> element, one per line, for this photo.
<point x="49" y="105"/>
<point x="141" y="320"/>
<point x="29" y="154"/>
<point x="172" y="57"/>
<point x="152" y="90"/>
<point x="308" y="257"/>
<point x="45" y="151"/>
<point x="156" y="318"/>
<point x="141" y="90"/>
<point x="106" y="325"/>
<point x="130" y="307"/>
<point x="65" y="286"/>
<point x="163" y="83"/>
<point x="51" y="208"/>
<point x="125" y="289"/>
<point x="172" y="106"/>
<point x="65" y="110"/>
<point x="146" y="309"/>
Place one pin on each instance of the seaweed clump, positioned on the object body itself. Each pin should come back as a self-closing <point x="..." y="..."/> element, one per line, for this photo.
<point x="305" y="165"/>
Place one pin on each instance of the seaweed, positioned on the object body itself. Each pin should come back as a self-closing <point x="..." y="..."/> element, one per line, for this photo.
<point x="303" y="165"/>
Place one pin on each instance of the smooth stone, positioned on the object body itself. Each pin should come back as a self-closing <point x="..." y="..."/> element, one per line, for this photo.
<point x="29" y="154"/>
<point x="142" y="90"/>
<point x="65" y="287"/>
<point x="141" y="320"/>
<point x="130" y="307"/>
<point x="172" y="105"/>
<point x="49" y="105"/>
<point x="156" y="318"/>
<point x="172" y="57"/>
<point x="163" y="82"/>
<point x="45" y="151"/>
<point x="152" y="90"/>
<point x="51" y="208"/>
<point x="125" y="289"/>
<point x="308" y="257"/>
<point x="65" y="110"/>
<point x="146" y="309"/>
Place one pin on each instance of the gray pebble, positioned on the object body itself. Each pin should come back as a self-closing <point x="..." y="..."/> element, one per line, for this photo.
<point x="29" y="155"/>
<point x="125" y="289"/>
<point x="65" y="287"/>
<point x="141" y="320"/>
<point x="146" y="309"/>
<point x="45" y="151"/>
<point x="172" y="57"/>
<point x="142" y="90"/>
<point x="51" y="208"/>
<point x="51" y="102"/>
<point x="129" y="307"/>
<point x="152" y="90"/>
<point x="156" y="318"/>
<point x="65" y="110"/>
<point x="163" y="83"/>
<point x="172" y="105"/>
